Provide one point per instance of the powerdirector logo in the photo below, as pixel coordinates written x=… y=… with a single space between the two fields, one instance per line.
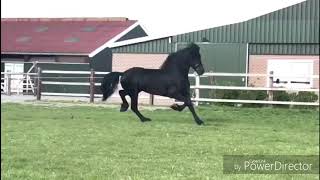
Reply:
x=270 y=164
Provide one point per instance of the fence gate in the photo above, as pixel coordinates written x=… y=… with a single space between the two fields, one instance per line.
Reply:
x=16 y=85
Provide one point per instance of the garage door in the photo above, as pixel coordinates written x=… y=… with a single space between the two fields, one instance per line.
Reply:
x=292 y=73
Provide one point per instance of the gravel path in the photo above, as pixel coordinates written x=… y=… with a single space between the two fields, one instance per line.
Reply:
x=59 y=101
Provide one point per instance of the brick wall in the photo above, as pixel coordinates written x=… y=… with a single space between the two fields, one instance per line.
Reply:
x=122 y=62
x=258 y=64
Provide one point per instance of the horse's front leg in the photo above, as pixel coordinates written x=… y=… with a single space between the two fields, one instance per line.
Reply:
x=187 y=102
x=195 y=116
x=134 y=107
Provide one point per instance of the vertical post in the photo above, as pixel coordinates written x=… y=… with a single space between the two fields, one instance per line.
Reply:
x=9 y=84
x=212 y=83
x=270 y=92
x=92 y=86
x=38 y=84
x=151 y=100
x=27 y=83
x=197 y=91
x=35 y=66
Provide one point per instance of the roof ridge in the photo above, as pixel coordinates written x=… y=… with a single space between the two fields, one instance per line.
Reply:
x=67 y=19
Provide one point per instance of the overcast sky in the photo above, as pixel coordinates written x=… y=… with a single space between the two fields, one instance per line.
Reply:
x=159 y=17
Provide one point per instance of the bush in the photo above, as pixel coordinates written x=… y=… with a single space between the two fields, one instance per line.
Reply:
x=305 y=97
x=294 y=97
x=236 y=94
x=282 y=96
x=253 y=95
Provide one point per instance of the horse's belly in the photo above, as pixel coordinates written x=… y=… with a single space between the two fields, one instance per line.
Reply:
x=156 y=90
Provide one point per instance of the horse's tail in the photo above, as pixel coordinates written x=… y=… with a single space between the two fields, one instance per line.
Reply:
x=109 y=84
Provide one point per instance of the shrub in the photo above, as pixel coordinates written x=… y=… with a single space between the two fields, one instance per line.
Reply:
x=253 y=95
x=305 y=97
x=281 y=96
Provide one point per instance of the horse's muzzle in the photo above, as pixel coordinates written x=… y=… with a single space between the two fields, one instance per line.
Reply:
x=199 y=70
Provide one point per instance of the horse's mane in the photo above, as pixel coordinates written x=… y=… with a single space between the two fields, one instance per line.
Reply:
x=179 y=56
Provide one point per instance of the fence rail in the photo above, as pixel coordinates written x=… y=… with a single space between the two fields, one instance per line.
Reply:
x=250 y=75
x=197 y=86
x=252 y=88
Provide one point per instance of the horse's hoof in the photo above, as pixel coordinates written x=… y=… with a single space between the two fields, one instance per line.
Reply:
x=145 y=119
x=174 y=107
x=124 y=108
x=199 y=122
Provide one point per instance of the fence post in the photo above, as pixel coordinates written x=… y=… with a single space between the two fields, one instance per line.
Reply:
x=38 y=84
x=9 y=84
x=92 y=86
x=197 y=91
x=212 y=83
x=270 y=92
x=151 y=100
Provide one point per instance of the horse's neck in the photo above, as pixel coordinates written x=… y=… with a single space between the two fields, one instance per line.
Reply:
x=175 y=69
x=173 y=66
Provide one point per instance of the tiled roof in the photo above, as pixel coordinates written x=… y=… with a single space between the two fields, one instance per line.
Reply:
x=64 y=35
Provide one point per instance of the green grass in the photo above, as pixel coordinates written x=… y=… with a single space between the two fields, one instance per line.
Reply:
x=86 y=142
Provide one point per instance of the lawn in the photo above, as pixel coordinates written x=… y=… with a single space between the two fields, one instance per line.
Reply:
x=93 y=142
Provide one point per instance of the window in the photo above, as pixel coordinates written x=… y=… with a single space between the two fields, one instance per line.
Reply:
x=23 y=39
x=72 y=40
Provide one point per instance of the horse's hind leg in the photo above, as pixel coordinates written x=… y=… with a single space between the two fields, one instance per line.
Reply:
x=124 y=105
x=134 y=107
x=178 y=107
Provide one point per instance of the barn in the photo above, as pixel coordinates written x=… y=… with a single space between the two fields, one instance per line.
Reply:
x=62 y=43
x=285 y=41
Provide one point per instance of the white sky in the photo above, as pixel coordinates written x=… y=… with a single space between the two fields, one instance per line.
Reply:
x=159 y=17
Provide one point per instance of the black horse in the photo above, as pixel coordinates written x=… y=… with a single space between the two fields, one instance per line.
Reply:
x=171 y=80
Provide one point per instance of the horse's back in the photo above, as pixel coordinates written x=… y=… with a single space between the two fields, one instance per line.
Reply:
x=132 y=76
x=148 y=80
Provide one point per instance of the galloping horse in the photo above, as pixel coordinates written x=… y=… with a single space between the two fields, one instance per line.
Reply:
x=171 y=80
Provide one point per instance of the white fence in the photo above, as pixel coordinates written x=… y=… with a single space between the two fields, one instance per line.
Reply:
x=197 y=86
x=270 y=89
x=17 y=83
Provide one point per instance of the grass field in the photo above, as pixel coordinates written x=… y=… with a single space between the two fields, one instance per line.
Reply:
x=86 y=142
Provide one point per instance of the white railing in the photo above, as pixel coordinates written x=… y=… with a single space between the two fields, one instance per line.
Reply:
x=17 y=83
x=270 y=76
x=197 y=86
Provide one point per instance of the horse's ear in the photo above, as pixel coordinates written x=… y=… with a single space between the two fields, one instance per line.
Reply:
x=194 y=47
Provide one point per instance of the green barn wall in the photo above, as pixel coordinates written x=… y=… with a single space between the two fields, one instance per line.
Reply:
x=158 y=46
x=134 y=33
x=102 y=61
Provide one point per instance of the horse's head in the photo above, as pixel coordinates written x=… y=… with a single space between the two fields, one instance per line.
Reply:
x=195 y=60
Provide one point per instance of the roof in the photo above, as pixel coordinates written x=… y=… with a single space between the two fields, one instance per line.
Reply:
x=294 y=24
x=291 y=30
x=61 y=35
